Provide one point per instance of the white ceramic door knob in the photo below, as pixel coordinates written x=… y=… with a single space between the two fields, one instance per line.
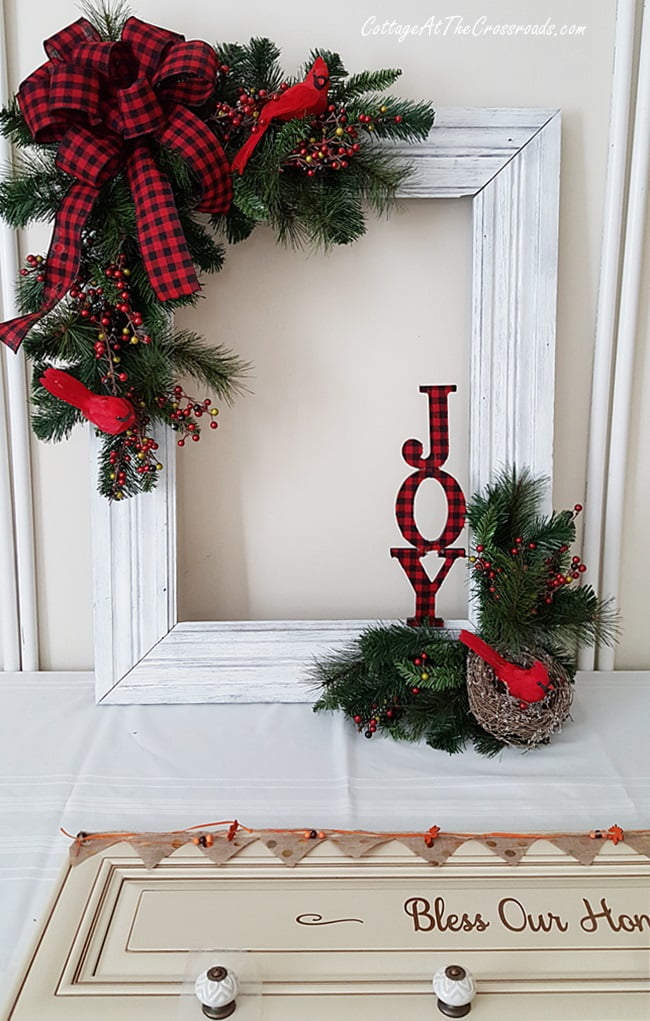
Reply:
x=216 y=990
x=455 y=989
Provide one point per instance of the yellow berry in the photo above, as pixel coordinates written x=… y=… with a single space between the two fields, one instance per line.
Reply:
x=307 y=159
x=112 y=476
x=214 y=411
x=424 y=676
x=134 y=340
x=383 y=109
x=339 y=132
x=312 y=139
x=117 y=359
x=159 y=467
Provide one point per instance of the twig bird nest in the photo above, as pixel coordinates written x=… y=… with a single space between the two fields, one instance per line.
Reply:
x=518 y=723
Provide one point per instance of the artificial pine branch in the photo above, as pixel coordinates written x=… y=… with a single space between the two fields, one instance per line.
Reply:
x=215 y=366
x=525 y=578
x=108 y=17
x=257 y=64
x=35 y=190
x=235 y=226
x=400 y=119
x=367 y=81
x=52 y=420
x=207 y=254
x=408 y=683
x=13 y=125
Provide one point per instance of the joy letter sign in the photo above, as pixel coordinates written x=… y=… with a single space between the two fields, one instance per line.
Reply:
x=429 y=467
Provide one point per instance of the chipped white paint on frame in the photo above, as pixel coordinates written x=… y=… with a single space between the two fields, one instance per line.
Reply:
x=508 y=162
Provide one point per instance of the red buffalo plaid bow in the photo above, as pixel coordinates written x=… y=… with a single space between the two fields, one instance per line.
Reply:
x=104 y=102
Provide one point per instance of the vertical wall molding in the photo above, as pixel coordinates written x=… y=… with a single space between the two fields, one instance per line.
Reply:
x=627 y=334
x=608 y=291
x=17 y=557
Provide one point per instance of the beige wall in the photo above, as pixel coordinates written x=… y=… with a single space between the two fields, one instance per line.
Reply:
x=342 y=339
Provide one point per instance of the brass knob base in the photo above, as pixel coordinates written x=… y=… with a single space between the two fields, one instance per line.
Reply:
x=219 y=1012
x=449 y=1011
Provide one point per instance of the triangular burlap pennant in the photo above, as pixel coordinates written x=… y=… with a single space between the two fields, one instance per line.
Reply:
x=441 y=849
x=355 y=845
x=81 y=850
x=584 y=849
x=290 y=847
x=152 y=847
x=639 y=842
x=511 y=849
x=223 y=849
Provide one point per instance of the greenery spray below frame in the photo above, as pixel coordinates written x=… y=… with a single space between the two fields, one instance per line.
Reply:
x=421 y=682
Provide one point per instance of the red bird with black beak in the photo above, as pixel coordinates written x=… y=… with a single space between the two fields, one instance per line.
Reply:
x=305 y=99
x=111 y=415
x=530 y=684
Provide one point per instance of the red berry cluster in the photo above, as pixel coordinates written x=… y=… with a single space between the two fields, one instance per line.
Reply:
x=421 y=663
x=483 y=565
x=118 y=323
x=378 y=716
x=133 y=445
x=184 y=419
x=333 y=141
x=34 y=266
x=245 y=113
x=558 y=575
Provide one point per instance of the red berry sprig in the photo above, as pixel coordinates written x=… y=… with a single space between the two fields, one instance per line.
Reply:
x=333 y=140
x=421 y=663
x=558 y=574
x=368 y=723
x=134 y=447
x=183 y=419
x=35 y=266
x=483 y=565
x=228 y=119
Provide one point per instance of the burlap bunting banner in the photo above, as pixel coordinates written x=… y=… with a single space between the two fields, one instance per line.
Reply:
x=291 y=846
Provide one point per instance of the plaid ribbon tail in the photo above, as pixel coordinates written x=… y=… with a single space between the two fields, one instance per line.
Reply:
x=162 y=242
x=63 y=260
x=187 y=135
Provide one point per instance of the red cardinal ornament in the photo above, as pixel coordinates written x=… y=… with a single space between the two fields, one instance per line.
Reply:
x=530 y=684
x=308 y=97
x=110 y=414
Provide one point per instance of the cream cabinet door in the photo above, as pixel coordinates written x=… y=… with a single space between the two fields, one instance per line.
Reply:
x=333 y=938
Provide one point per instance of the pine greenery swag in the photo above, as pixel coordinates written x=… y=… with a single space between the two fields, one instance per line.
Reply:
x=310 y=180
x=410 y=682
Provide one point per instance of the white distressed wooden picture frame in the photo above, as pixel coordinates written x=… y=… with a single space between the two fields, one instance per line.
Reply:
x=508 y=162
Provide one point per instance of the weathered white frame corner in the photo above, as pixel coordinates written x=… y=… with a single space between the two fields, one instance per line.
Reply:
x=508 y=162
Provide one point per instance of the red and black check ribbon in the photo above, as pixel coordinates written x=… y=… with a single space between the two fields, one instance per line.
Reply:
x=104 y=102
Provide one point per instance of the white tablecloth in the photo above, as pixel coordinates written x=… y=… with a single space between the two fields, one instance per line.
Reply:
x=65 y=762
